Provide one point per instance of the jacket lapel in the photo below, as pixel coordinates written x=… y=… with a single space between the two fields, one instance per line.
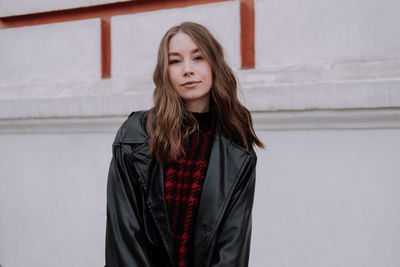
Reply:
x=223 y=172
x=151 y=176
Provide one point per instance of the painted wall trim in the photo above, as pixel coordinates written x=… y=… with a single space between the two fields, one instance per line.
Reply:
x=106 y=10
x=247 y=34
x=105 y=47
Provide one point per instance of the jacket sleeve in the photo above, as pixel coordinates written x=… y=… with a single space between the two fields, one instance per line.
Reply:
x=125 y=241
x=233 y=239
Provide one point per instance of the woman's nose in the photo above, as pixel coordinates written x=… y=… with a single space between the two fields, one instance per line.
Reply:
x=187 y=68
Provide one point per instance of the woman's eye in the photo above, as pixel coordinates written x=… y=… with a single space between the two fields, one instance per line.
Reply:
x=174 y=61
x=198 y=58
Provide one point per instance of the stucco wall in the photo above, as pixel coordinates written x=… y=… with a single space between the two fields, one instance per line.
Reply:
x=325 y=98
x=52 y=202
x=327 y=198
x=293 y=32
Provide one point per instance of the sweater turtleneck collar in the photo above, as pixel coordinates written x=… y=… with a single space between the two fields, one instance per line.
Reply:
x=204 y=119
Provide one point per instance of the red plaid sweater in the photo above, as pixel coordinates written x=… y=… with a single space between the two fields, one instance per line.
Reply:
x=183 y=184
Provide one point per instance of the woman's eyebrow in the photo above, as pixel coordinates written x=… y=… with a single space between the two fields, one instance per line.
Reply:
x=174 y=54
x=178 y=54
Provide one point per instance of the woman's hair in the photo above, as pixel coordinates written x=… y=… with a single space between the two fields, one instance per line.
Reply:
x=169 y=123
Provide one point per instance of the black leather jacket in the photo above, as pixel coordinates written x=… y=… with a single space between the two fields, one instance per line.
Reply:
x=138 y=231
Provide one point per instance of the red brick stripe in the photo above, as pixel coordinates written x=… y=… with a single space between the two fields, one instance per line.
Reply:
x=105 y=48
x=247 y=34
x=106 y=10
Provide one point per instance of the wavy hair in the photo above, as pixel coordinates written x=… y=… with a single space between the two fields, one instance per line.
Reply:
x=168 y=121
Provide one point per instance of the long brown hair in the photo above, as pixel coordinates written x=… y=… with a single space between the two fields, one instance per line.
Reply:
x=169 y=123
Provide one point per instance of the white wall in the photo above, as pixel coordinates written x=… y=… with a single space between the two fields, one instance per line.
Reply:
x=51 y=53
x=328 y=198
x=325 y=97
x=52 y=199
x=326 y=54
x=326 y=190
x=294 y=32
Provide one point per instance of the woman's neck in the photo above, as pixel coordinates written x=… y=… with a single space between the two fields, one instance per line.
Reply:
x=198 y=105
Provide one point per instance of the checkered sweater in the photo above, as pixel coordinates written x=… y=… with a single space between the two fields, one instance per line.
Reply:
x=183 y=184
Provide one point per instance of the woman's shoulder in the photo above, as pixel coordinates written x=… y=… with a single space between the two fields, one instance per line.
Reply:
x=132 y=130
x=234 y=141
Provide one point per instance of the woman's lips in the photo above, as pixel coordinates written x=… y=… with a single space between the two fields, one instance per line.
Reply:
x=190 y=84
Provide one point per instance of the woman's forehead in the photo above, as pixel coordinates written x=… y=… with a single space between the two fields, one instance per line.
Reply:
x=182 y=42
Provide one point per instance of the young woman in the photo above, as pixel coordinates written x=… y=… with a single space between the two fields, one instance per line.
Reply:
x=181 y=181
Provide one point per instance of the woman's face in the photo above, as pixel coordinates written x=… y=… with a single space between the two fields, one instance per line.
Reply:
x=189 y=73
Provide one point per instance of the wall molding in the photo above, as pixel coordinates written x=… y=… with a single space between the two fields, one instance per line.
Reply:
x=328 y=119
x=118 y=98
x=263 y=121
